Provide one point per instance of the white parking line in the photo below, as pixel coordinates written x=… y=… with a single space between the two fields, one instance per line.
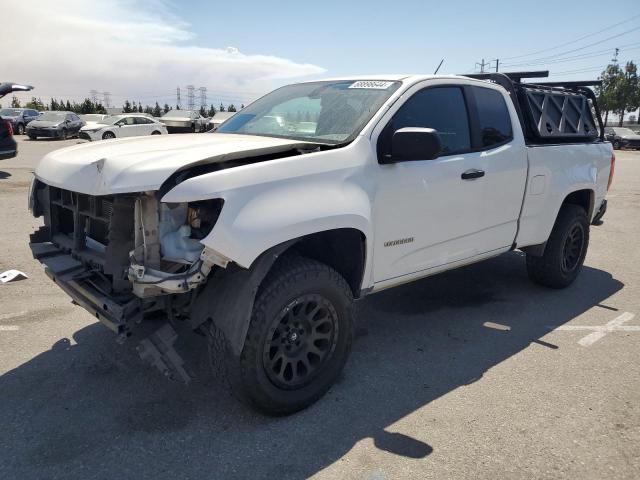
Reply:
x=7 y=316
x=599 y=332
x=9 y=328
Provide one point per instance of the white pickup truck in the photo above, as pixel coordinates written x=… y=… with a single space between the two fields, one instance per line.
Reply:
x=261 y=235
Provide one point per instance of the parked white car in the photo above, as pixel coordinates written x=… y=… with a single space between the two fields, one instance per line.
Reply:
x=120 y=126
x=259 y=236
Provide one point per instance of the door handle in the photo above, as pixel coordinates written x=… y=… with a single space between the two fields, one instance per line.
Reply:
x=472 y=174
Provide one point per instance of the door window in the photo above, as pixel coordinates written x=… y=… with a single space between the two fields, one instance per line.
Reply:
x=143 y=120
x=440 y=108
x=493 y=117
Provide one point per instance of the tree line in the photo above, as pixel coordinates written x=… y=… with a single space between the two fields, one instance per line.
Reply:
x=620 y=90
x=89 y=106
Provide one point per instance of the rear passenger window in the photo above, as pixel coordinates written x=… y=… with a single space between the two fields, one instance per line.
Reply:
x=493 y=117
x=440 y=108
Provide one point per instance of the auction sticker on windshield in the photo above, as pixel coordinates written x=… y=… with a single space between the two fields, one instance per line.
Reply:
x=376 y=85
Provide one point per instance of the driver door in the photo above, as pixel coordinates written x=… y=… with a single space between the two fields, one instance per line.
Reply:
x=426 y=211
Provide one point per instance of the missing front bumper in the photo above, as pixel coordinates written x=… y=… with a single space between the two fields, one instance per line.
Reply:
x=79 y=282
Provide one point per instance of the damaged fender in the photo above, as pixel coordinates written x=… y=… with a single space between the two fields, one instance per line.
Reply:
x=227 y=298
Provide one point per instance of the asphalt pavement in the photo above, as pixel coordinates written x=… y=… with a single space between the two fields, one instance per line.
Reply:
x=474 y=373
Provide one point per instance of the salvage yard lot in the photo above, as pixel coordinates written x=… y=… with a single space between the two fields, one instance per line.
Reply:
x=474 y=373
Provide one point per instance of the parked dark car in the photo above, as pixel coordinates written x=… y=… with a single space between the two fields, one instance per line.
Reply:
x=622 y=137
x=19 y=118
x=8 y=147
x=55 y=124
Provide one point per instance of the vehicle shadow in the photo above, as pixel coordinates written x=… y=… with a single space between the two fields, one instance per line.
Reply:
x=91 y=406
x=4 y=175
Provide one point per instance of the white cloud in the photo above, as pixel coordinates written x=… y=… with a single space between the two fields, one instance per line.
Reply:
x=138 y=51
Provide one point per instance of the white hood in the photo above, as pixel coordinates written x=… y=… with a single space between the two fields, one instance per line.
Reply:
x=144 y=163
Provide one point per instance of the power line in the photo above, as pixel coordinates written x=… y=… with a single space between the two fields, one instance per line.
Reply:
x=545 y=59
x=599 y=53
x=573 y=41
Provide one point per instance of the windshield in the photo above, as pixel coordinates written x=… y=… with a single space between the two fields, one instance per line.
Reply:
x=109 y=119
x=324 y=112
x=52 y=116
x=9 y=112
x=623 y=131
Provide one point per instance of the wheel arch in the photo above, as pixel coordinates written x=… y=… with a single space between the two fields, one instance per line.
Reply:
x=227 y=298
x=584 y=198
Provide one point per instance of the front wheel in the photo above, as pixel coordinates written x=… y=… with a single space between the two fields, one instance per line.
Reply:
x=63 y=134
x=31 y=137
x=298 y=341
x=108 y=135
x=565 y=251
x=616 y=145
x=20 y=129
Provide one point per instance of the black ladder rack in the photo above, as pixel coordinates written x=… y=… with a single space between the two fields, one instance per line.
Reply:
x=551 y=112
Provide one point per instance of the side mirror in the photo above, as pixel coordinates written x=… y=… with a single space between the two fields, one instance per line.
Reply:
x=414 y=143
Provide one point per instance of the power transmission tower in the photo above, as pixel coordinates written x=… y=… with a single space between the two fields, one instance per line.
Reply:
x=94 y=95
x=190 y=97
x=203 y=97
x=178 y=103
x=107 y=99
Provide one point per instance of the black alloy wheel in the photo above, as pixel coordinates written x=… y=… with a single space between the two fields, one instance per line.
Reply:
x=300 y=341
x=573 y=246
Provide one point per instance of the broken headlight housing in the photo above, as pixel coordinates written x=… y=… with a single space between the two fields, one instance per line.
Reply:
x=182 y=226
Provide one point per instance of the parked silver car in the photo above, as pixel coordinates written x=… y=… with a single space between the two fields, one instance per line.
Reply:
x=184 y=121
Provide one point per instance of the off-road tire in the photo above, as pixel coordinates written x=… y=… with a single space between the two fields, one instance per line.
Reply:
x=553 y=269
x=291 y=278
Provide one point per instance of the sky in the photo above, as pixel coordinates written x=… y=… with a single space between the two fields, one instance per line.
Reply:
x=143 y=50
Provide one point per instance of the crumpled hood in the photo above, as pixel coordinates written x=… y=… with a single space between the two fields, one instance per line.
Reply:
x=143 y=163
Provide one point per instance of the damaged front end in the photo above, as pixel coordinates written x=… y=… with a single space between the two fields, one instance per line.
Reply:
x=168 y=257
x=125 y=257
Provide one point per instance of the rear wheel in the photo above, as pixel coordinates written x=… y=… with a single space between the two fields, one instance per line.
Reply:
x=616 y=145
x=108 y=135
x=63 y=134
x=565 y=251
x=155 y=132
x=298 y=339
